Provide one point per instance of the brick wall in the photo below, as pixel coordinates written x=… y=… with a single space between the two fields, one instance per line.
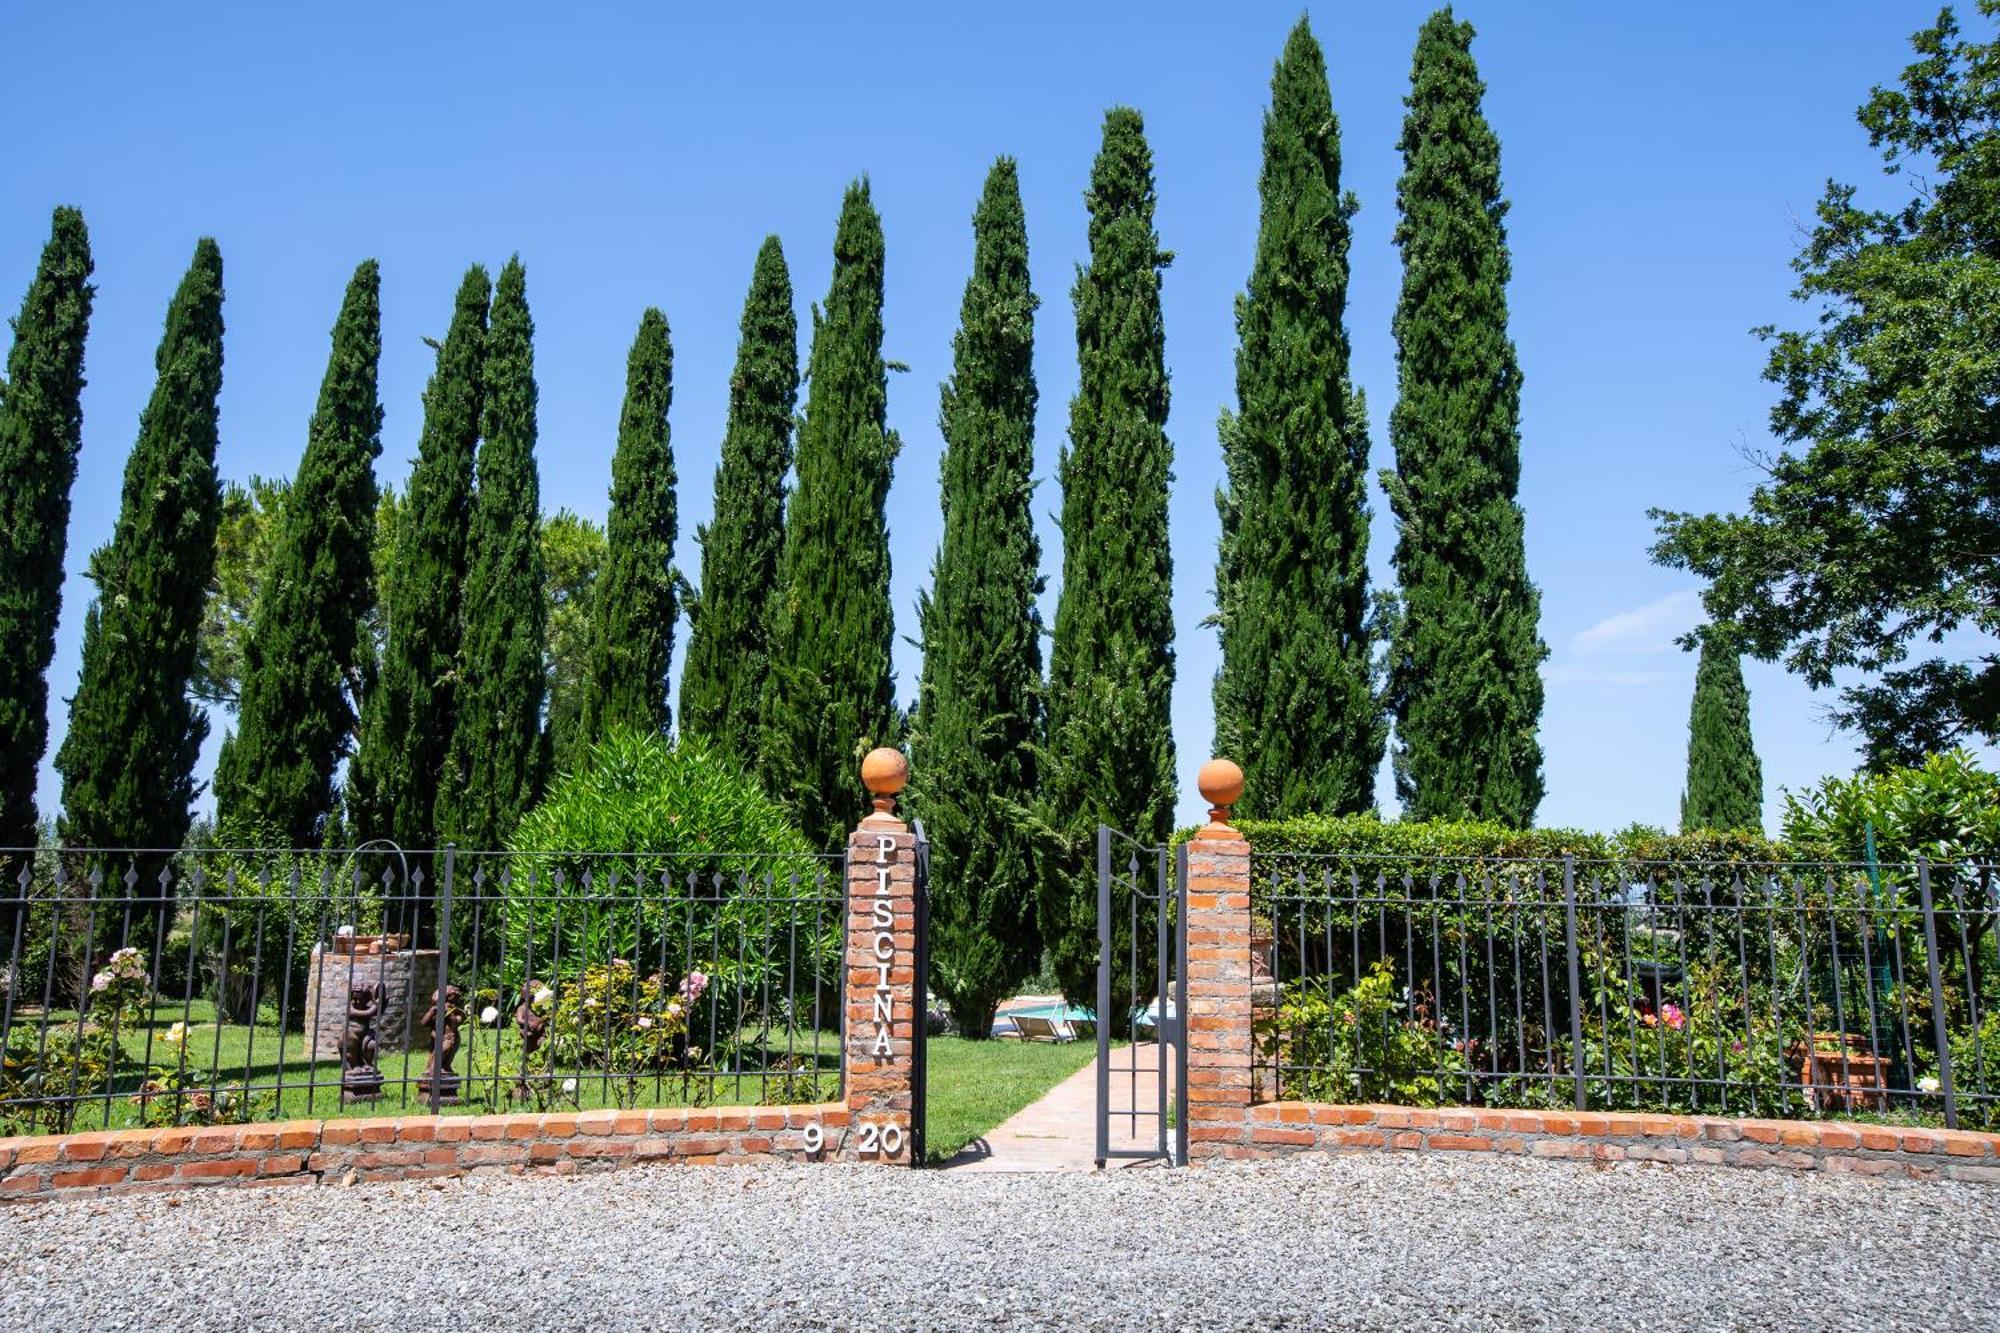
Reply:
x=1282 y=1128
x=309 y=1152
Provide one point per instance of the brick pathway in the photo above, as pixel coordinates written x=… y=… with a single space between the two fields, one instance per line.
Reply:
x=1058 y=1133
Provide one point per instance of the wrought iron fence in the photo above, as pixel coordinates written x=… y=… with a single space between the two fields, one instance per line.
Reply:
x=1801 y=990
x=222 y=986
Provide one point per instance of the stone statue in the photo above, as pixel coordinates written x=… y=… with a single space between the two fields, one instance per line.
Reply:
x=360 y=1080
x=533 y=1027
x=438 y=1069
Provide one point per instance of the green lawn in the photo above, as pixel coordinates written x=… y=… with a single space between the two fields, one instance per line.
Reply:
x=974 y=1085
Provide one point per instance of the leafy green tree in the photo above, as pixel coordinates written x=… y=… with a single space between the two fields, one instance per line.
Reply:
x=831 y=696
x=302 y=662
x=246 y=537
x=1111 y=669
x=128 y=759
x=1295 y=701
x=979 y=701
x=408 y=713
x=634 y=608
x=1877 y=526
x=574 y=555
x=729 y=633
x=41 y=429
x=1725 y=783
x=493 y=770
x=1465 y=658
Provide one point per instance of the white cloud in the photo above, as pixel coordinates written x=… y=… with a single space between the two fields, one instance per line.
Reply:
x=1651 y=628
x=1564 y=674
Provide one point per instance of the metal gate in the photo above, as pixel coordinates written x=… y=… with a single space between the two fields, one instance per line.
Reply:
x=1141 y=1000
x=920 y=1026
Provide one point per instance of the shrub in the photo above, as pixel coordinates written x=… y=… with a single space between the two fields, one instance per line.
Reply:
x=666 y=827
x=1367 y=1044
x=708 y=875
x=621 y=1026
x=1946 y=809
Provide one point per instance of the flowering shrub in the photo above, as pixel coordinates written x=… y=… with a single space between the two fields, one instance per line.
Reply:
x=183 y=1092
x=45 y=1074
x=612 y=1022
x=1367 y=1044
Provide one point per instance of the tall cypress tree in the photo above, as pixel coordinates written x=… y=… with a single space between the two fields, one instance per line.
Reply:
x=128 y=759
x=1464 y=672
x=831 y=697
x=407 y=717
x=1111 y=668
x=729 y=633
x=301 y=665
x=1725 y=783
x=41 y=430
x=979 y=701
x=494 y=769
x=634 y=607
x=1295 y=700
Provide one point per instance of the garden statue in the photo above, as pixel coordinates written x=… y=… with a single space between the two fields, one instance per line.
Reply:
x=444 y=1048
x=360 y=1080
x=532 y=1026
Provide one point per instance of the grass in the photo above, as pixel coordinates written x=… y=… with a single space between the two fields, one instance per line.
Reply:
x=974 y=1085
x=287 y=1083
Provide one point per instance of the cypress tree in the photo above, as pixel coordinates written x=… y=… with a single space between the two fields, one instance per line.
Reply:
x=1295 y=700
x=494 y=769
x=128 y=759
x=41 y=430
x=1464 y=672
x=979 y=700
x=831 y=697
x=633 y=606
x=1111 y=668
x=729 y=633
x=1725 y=783
x=407 y=717
x=301 y=665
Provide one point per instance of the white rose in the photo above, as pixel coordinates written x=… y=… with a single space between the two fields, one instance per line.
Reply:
x=544 y=995
x=569 y=1087
x=1928 y=1083
x=489 y=1015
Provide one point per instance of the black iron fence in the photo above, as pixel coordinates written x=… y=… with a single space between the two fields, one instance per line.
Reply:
x=223 y=986
x=1786 y=991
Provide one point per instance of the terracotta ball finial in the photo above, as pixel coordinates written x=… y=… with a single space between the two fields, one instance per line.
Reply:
x=1221 y=784
x=885 y=772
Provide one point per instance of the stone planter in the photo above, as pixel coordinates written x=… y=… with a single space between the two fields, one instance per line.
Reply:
x=407 y=978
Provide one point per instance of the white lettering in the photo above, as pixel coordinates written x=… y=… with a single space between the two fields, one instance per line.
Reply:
x=882 y=880
x=882 y=1007
x=882 y=980
x=885 y=846
x=885 y=946
x=881 y=1042
x=885 y=915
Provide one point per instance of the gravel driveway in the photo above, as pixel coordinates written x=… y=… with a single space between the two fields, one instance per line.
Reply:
x=1363 y=1242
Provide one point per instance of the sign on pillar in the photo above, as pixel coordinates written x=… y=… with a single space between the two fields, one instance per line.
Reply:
x=882 y=996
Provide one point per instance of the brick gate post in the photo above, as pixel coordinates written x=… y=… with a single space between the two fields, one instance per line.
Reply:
x=1218 y=972
x=884 y=1002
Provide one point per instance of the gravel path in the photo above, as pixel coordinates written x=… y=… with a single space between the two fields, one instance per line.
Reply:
x=1363 y=1242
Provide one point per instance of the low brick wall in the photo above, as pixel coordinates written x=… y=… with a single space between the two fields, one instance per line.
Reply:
x=307 y=1152
x=1280 y=1128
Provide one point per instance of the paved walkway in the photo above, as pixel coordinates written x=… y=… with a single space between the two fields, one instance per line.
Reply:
x=1059 y=1133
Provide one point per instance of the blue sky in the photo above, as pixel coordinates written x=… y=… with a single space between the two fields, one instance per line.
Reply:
x=1661 y=162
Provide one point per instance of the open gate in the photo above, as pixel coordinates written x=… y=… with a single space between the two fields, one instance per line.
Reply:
x=1141 y=1000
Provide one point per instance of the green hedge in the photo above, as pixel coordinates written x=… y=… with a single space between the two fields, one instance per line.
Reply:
x=1448 y=841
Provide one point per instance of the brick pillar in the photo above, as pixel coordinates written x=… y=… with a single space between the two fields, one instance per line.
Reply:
x=884 y=1003
x=1218 y=979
